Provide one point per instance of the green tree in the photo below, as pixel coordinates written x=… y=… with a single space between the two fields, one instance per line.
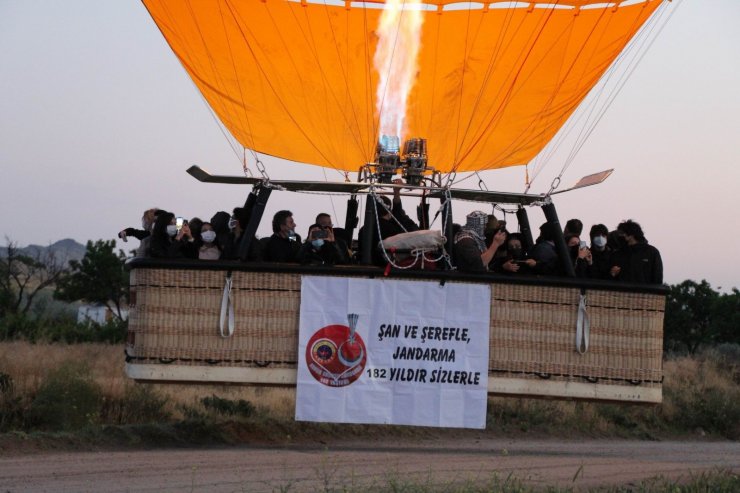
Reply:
x=689 y=316
x=98 y=278
x=726 y=317
x=23 y=276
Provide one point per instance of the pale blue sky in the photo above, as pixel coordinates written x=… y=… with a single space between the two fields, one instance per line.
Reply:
x=98 y=121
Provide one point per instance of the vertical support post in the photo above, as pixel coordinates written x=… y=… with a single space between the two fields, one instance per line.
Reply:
x=557 y=235
x=524 y=228
x=447 y=224
x=369 y=225
x=256 y=206
x=422 y=213
x=351 y=219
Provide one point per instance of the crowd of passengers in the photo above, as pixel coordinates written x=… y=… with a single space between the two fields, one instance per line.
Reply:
x=483 y=244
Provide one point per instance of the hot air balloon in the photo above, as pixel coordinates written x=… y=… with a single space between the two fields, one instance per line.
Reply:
x=428 y=91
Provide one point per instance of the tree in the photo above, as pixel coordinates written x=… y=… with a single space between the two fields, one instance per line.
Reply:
x=726 y=317
x=689 y=315
x=98 y=278
x=23 y=276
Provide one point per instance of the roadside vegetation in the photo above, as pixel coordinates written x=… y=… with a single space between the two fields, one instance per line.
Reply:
x=81 y=389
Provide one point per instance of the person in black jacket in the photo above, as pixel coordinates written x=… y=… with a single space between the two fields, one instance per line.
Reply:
x=143 y=235
x=322 y=248
x=470 y=253
x=392 y=220
x=601 y=253
x=636 y=261
x=284 y=244
x=167 y=241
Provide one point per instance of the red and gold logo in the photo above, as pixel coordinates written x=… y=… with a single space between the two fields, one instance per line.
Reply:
x=336 y=354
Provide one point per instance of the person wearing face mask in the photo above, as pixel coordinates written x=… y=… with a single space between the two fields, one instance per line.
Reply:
x=321 y=248
x=167 y=241
x=209 y=249
x=516 y=260
x=285 y=243
x=636 y=261
x=601 y=253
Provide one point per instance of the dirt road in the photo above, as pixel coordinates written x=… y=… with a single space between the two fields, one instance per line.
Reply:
x=353 y=466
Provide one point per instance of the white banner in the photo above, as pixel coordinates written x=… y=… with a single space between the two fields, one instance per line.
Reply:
x=393 y=352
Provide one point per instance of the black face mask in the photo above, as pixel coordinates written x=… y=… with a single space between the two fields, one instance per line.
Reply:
x=573 y=251
x=622 y=242
x=516 y=253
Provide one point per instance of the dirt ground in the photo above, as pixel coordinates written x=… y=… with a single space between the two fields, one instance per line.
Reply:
x=352 y=466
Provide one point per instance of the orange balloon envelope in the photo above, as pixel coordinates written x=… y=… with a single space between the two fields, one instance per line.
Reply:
x=495 y=82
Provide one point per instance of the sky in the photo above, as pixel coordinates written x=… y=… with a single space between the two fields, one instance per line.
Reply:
x=98 y=121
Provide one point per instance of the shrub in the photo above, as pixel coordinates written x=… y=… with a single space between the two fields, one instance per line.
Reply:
x=228 y=407
x=68 y=399
x=139 y=404
x=701 y=394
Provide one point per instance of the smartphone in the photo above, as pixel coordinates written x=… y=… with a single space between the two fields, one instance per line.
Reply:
x=179 y=222
x=582 y=245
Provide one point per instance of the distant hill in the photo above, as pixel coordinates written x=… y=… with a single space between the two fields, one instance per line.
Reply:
x=65 y=250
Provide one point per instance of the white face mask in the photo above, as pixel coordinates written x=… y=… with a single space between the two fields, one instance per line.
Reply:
x=171 y=229
x=599 y=241
x=317 y=244
x=208 y=236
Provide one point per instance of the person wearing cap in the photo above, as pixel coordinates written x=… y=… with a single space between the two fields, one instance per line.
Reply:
x=470 y=252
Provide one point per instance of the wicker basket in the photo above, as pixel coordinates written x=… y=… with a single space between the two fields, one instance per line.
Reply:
x=173 y=326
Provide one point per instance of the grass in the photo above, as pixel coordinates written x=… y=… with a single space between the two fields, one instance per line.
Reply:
x=83 y=386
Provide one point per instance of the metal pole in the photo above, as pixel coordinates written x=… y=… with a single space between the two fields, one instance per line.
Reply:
x=557 y=235
x=369 y=225
x=351 y=219
x=257 y=208
x=448 y=226
x=524 y=228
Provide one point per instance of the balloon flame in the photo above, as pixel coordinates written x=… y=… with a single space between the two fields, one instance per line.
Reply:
x=396 y=60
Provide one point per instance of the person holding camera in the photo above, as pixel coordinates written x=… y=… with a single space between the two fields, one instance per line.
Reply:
x=516 y=260
x=321 y=247
x=171 y=238
x=471 y=253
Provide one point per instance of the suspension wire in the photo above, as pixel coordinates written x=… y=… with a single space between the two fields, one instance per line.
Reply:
x=643 y=36
x=494 y=118
x=462 y=90
x=564 y=72
x=267 y=80
x=492 y=64
x=637 y=50
x=634 y=63
x=357 y=136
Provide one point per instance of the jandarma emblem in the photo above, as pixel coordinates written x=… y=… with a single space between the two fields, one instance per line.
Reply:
x=336 y=355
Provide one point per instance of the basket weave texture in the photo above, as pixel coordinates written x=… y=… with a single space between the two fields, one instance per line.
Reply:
x=175 y=315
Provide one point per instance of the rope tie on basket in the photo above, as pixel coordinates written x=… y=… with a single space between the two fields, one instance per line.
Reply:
x=227 y=309
x=583 y=325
